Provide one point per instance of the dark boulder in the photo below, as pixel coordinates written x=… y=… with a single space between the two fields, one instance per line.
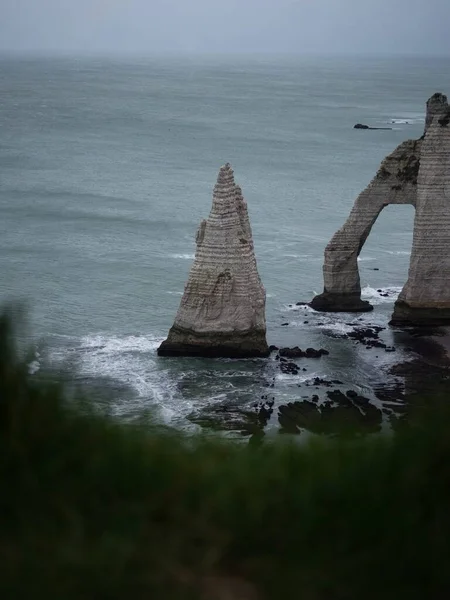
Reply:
x=290 y=368
x=312 y=353
x=361 y=126
x=297 y=352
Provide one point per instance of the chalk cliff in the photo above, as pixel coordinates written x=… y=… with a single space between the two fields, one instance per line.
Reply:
x=425 y=299
x=222 y=311
x=417 y=173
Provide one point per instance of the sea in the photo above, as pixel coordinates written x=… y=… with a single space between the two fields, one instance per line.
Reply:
x=107 y=167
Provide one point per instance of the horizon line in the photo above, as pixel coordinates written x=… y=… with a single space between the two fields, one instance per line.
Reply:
x=149 y=55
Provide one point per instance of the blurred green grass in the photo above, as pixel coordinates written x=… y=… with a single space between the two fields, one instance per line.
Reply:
x=92 y=508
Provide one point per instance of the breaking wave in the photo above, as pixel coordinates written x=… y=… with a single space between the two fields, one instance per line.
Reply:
x=365 y=258
x=380 y=295
x=294 y=378
x=129 y=362
x=35 y=364
x=183 y=256
x=410 y=121
x=337 y=327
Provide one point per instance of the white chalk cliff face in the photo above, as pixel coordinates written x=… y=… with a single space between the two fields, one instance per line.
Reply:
x=425 y=299
x=417 y=173
x=222 y=311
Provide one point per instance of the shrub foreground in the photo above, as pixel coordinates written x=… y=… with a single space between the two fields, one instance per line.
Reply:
x=91 y=508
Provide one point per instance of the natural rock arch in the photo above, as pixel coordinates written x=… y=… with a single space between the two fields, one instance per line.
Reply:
x=394 y=183
x=417 y=173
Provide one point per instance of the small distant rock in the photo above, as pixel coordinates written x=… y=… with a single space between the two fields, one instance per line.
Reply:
x=312 y=353
x=318 y=381
x=367 y=336
x=361 y=126
x=297 y=352
x=292 y=352
x=289 y=368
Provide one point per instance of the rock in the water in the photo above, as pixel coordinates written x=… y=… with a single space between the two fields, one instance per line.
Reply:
x=361 y=126
x=222 y=311
x=289 y=368
x=340 y=414
x=297 y=352
x=367 y=336
x=417 y=173
x=292 y=352
x=313 y=353
x=340 y=302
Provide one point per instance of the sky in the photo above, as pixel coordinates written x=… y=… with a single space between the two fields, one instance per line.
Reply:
x=149 y=27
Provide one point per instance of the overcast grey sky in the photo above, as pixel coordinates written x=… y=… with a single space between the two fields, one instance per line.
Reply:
x=226 y=26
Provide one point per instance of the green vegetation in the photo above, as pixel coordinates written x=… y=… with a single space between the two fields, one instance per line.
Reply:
x=90 y=508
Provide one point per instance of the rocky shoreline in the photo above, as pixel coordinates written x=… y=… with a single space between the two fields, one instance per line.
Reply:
x=327 y=405
x=222 y=310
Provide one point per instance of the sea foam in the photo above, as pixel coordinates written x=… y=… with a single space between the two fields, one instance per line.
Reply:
x=375 y=296
x=183 y=256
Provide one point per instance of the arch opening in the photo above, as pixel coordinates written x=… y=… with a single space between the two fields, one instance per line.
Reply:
x=394 y=183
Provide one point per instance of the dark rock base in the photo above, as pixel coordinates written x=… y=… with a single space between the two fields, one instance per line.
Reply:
x=328 y=302
x=408 y=316
x=361 y=126
x=299 y=353
x=181 y=342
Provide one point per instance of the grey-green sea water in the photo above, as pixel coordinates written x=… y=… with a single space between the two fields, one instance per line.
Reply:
x=107 y=167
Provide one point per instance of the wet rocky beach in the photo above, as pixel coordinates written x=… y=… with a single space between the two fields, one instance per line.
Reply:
x=325 y=405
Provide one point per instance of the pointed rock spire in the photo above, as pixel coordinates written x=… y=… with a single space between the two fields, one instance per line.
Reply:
x=222 y=311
